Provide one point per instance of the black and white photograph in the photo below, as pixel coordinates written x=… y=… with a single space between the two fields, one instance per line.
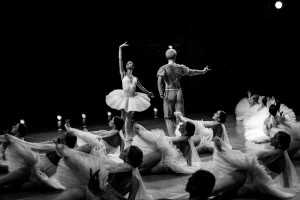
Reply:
x=150 y=100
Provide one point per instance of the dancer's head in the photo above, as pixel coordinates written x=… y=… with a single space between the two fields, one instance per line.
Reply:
x=273 y=109
x=200 y=184
x=281 y=140
x=69 y=139
x=132 y=155
x=117 y=122
x=171 y=54
x=187 y=128
x=220 y=116
x=129 y=65
x=19 y=130
x=264 y=101
x=254 y=99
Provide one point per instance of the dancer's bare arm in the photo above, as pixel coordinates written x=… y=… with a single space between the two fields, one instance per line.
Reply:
x=193 y=72
x=121 y=69
x=110 y=133
x=150 y=94
x=181 y=118
x=160 y=86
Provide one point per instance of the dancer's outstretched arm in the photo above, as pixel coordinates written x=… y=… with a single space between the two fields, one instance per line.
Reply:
x=150 y=94
x=193 y=72
x=122 y=72
x=110 y=133
x=181 y=118
x=178 y=139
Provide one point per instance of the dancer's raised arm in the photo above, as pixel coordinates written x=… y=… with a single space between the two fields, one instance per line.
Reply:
x=121 y=69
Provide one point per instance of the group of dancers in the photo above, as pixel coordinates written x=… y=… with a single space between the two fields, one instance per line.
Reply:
x=109 y=164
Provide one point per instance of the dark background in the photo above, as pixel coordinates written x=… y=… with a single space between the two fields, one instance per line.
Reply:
x=63 y=58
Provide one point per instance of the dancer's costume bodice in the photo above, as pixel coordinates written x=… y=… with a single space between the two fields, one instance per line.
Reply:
x=129 y=85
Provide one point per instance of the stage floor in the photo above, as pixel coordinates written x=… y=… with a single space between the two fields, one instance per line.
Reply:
x=160 y=186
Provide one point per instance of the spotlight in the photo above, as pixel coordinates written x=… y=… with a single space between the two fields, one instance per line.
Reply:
x=22 y=121
x=59 y=124
x=58 y=117
x=278 y=4
x=83 y=120
x=109 y=115
x=155 y=112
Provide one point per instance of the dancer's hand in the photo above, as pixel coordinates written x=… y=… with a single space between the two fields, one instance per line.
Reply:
x=124 y=45
x=150 y=94
x=178 y=113
x=136 y=128
x=163 y=97
x=206 y=69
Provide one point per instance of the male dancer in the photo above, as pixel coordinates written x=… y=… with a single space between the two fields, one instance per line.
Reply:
x=171 y=91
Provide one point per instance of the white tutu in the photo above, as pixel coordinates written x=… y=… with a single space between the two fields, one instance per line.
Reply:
x=205 y=135
x=74 y=168
x=3 y=163
x=19 y=155
x=254 y=126
x=288 y=113
x=156 y=139
x=118 y=99
x=243 y=110
x=231 y=160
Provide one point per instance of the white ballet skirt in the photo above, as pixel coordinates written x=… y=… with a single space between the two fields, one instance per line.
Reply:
x=127 y=99
x=205 y=134
x=156 y=139
x=255 y=127
x=243 y=110
x=74 y=167
x=258 y=179
x=23 y=154
x=3 y=163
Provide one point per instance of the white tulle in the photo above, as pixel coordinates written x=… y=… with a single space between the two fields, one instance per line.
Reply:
x=3 y=163
x=127 y=99
x=228 y=160
x=19 y=154
x=254 y=126
x=74 y=168
x=97 y=160
x=156 y=139
x=205 y=135
x=243 y=110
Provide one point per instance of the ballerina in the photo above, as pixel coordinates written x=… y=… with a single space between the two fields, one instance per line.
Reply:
x=268 y=172
x=118 y=177
x=128 y=100
x=257 y=127
x=19 y=130
x=164 y=154
x=113 y=139
x=206 y=131
x=31 y=165
x=247 y=106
